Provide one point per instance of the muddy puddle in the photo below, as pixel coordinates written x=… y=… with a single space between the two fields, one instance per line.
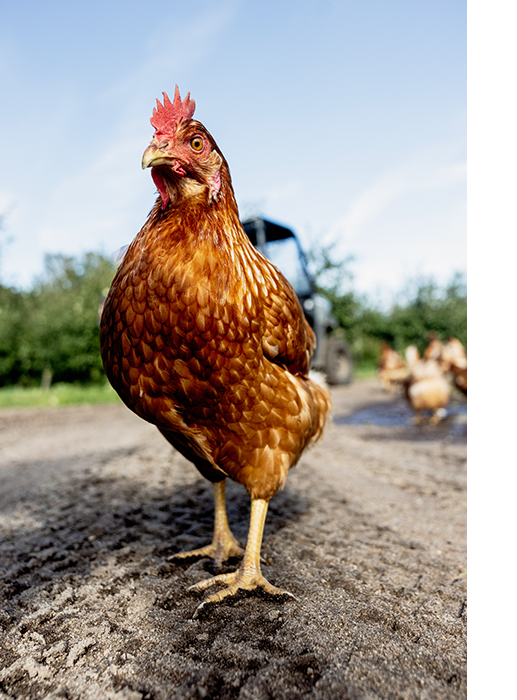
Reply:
x=397 y=414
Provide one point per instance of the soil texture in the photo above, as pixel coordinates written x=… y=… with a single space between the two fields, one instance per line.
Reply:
x=369 y=534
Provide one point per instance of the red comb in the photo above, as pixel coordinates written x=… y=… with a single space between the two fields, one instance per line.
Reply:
x=165 y=116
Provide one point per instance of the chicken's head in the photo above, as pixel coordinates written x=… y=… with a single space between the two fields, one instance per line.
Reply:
x=183 y=155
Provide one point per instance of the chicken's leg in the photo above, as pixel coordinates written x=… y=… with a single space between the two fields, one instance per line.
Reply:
x=248 y=576
x=224 y=545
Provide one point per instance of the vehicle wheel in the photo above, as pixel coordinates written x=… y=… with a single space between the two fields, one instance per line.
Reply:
x=340 y=367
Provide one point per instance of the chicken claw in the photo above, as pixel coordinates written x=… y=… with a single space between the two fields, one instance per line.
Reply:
x=217 y=551
x=224 y=545
x=248 y=576
x=235 y=581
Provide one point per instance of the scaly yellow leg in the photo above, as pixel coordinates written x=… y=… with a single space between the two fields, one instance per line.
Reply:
x=248 y=576
x=224 y=545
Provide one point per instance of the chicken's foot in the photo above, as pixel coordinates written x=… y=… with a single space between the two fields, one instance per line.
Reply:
x=438 y=415
x=224 y=545
x=248 y=576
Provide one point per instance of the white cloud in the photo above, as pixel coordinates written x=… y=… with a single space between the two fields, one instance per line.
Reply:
x=419 y=174
x=95 y=206
x=7 y=202
x=401 y=247
x=169 y=55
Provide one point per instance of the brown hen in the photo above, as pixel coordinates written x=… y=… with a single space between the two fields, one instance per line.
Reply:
x=391 y=368
x=455 y=359
x=203 y=337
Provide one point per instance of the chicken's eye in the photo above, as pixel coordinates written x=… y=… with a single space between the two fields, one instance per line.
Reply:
x=197 y=144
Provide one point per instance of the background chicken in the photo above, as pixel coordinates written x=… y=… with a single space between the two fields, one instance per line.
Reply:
x=391 y=368
x=454 y=357
x=434 y=349
x=426 y=389
x=451 y=357
x=202 y=336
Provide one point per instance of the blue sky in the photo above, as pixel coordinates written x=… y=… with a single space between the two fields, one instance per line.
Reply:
x=343 y=120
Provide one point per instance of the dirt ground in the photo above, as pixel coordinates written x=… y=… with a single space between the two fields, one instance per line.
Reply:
x=369 y=534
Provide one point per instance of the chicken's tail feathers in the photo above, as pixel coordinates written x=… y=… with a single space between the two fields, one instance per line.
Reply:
x=319 y=378
x=322 y=399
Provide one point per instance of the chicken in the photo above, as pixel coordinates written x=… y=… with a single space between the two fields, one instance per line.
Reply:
x=391 y=368
x=203 y=337
x=426 y=389
x=454 y=358
x=434 y=349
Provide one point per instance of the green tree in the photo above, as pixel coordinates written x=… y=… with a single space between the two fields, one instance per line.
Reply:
x=64 y=329
x=12 y=319
x=422 y=307
x=54 y=328
x=426 y=307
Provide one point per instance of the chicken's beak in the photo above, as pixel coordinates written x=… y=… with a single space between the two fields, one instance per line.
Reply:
x=152 y=155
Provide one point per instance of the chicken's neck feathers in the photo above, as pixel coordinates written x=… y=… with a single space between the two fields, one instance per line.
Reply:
x=189 y=232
